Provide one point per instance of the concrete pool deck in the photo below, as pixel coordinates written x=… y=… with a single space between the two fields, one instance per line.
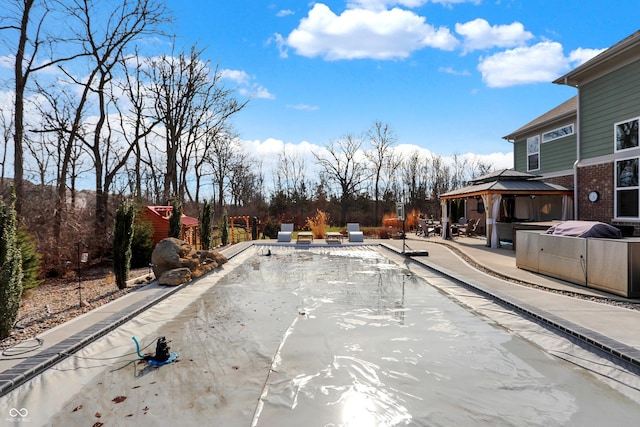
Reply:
x=605 y=326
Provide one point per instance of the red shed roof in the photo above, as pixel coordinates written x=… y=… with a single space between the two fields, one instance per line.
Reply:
x=164 y=213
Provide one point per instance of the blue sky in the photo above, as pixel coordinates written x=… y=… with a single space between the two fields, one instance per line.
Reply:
x=449 y=76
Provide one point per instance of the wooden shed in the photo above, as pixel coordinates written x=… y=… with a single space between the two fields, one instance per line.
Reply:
x=159 y=216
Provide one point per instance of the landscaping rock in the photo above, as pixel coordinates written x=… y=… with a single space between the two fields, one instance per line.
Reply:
x=170 y=254
x=175 y=277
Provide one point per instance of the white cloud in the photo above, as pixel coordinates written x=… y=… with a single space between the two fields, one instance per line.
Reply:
x=363 y=33
x=542 y=62
x=303 y=107
x=478 y=34
x=238 y=76
x=384 y=4
x=246 y=85
x=284 y=12
x=450 y=70
x=259 y=91
x=581 y=55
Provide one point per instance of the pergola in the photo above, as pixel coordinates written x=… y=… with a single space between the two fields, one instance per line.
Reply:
x=508 y=184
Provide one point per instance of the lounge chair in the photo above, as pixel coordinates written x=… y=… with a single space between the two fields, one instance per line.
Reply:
x=354 y=233
x=334 y=237
x=285 y=233
x=304 y=237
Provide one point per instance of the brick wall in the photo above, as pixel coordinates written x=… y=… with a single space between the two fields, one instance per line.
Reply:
x=596 y=178
x=600 y=178
x=565 y=181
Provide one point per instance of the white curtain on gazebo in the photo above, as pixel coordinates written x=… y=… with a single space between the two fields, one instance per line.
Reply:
x=492 y=202
x=495 y=212
x=567 y=208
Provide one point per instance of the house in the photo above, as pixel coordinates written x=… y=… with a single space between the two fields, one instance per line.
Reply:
x=591 y=142
x=159 y=216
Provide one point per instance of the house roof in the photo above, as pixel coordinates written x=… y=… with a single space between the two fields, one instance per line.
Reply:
x=617 y=55
x=563 y=111
x=507 y=181
x=164 y=212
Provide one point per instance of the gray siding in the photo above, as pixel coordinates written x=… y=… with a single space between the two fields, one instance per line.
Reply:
x=520 y=155
x=610 y=99
x=556 y=155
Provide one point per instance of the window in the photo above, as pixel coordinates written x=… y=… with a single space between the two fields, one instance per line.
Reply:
x=557 y=133
x=626 y=134
x=627 y=200
x=533 y=153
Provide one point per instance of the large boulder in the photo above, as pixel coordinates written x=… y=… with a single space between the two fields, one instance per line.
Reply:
x=171 y=254
x=175 y=277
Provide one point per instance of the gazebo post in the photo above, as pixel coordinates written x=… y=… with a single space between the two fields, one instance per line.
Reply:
x=444 y=204
x=486 y=199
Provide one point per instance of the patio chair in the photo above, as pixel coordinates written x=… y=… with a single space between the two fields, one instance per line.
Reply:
x=469 y=228
x=285 y=233
x=354 y=233
x=473 y=229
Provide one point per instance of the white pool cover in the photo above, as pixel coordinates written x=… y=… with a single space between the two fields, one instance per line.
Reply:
x=328 y=337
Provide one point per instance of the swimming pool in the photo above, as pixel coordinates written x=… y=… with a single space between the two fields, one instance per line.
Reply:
x=325 y=336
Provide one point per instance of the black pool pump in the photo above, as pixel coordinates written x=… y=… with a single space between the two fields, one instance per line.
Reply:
x=162 y=356
x=162 y=351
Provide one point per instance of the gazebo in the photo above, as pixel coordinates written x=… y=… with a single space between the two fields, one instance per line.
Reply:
x=510 y=197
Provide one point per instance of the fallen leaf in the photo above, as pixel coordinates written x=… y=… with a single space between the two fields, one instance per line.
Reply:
x=118 y=399
x=98 y=415
x=77 y=408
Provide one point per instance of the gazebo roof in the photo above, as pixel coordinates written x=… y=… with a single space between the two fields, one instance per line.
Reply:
x=503 y=175
x=507 y=181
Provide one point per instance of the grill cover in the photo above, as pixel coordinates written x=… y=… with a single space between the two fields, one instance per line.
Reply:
x=585 y=229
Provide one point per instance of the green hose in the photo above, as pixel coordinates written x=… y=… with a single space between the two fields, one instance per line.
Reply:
x=137 y=347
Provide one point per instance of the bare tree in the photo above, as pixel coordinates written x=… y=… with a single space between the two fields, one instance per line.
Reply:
x=382 y=138
x=479 y=167
x=104 y=40
x=27 y=18
x=188 y=95
x=290 y=174
x=224 y=155
x=343 y=168
x=136 y=123
x=440 y=176
x=411 y=170
x=459 y=170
